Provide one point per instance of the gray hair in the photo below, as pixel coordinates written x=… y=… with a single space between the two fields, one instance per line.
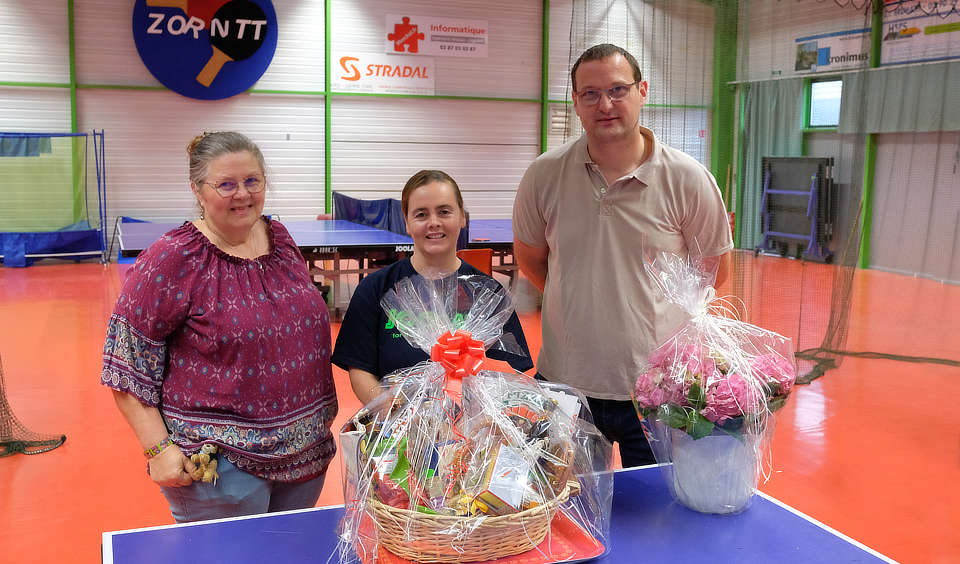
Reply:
x=206 y=147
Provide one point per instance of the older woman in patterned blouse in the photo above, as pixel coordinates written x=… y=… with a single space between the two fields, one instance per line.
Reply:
x=219 y=338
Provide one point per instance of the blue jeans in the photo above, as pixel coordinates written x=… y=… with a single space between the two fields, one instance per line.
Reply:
x=619 y=423
x=239 y=493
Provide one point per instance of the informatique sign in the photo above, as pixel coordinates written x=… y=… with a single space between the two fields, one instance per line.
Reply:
x=205 y=49
x=433 y=36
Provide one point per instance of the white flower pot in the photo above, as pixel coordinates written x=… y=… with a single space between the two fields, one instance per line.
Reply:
x=714 y=474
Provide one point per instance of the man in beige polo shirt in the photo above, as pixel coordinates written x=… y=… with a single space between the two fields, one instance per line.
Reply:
x=585 y=215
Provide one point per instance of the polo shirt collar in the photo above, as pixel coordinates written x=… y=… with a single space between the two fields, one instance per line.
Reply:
x=644 y=173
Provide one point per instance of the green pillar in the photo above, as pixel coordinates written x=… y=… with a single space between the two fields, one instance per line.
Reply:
x=724 y=95
x=870 y=151
x=78 y=151
x=544 y=74
x=327 y=114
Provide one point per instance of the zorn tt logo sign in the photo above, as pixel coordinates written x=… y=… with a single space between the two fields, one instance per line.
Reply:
x=206 y=49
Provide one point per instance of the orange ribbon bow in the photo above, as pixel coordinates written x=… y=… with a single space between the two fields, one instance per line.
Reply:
x=460 y=354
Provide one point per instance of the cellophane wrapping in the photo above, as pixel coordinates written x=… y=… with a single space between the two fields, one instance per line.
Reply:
x=707 y=395
x=446 y=454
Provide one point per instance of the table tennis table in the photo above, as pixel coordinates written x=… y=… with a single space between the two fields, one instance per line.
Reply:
x=330 y=236
x=325 y=244
x=646 y=525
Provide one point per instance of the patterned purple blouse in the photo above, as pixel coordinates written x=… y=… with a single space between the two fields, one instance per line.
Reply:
x=233 y=351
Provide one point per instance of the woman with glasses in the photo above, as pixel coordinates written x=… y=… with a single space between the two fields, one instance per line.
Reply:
x=368 y=345
x=218 y=351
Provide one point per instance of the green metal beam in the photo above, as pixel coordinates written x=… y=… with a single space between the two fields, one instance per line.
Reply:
x=73 y=67
x=118 y=87
x=741 y=159
x=674 y=106
x=433 y=97
x=724 y=99
x=35 y=84
x=78 y=160
x=544 y=74
x=807 y=85
x=327 y=113
x=870 y=151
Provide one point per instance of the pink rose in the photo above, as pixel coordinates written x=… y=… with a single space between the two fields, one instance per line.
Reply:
x=664 y=354
x=647 y=391
x=730 y=397
x=777 y=372
x=656 y=387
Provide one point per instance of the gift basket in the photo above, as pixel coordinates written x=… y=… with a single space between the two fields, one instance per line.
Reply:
x=451 y=463
x=707 y=395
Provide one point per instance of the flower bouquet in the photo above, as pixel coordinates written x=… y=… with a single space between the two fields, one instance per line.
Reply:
x=451 y=463
x=707 y=395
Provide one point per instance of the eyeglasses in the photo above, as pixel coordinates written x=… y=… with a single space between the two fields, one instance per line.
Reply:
x=228 y=188
x=592 y=97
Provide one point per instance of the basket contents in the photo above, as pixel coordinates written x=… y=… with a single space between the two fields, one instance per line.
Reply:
x=451 y=463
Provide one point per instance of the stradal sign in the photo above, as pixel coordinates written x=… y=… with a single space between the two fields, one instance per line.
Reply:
x=382 y=74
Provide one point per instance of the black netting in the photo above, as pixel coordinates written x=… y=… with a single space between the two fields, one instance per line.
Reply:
x=15 y=437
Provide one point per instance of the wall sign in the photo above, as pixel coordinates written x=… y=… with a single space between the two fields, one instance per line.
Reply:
x=443 y=37
x=383 y=74
x=847 y=49
x=206 y=49
x=913 y=33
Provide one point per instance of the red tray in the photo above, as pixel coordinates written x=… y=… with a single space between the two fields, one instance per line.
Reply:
x=567 y=542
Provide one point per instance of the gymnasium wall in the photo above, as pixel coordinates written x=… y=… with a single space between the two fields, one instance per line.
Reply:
x=485 y=142
x=915 y=203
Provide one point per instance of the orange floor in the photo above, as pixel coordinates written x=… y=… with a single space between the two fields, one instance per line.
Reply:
x=872 y=449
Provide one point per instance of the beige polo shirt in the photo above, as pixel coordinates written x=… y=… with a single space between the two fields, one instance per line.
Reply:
x=601 y=317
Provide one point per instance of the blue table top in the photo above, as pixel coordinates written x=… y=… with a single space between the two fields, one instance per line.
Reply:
x=646 y=525
x=135 y=237
x=491 y=231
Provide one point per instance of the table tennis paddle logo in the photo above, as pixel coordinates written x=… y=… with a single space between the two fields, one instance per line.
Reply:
x=206 y=49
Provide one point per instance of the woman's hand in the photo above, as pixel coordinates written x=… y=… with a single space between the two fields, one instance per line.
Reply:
x=171 y=468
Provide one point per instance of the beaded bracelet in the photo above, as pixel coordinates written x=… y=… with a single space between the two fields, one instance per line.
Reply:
x=158 y=448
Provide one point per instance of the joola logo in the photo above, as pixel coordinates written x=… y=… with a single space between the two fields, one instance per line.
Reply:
x=207 y=49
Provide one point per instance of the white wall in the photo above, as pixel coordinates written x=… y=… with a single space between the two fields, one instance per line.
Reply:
x=377 y=143
x=484 y=145
x=916 y=205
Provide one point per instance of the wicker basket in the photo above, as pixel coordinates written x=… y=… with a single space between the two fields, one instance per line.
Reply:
x=444 y=538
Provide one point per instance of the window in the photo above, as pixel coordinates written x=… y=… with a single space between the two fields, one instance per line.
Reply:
x=825 y=103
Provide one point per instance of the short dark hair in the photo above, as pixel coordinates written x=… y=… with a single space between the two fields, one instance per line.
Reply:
x=600 y=52
x=426 y=177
